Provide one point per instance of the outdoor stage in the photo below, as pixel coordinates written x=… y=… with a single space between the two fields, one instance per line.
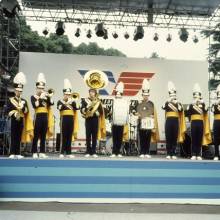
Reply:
x=105 y=180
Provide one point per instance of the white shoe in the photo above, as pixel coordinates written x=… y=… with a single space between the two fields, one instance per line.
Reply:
x=43 y=155
x=113 y=155
x=95 y=155
x=35 y=156
x=12 y=156
x=141 y=156
x=70 y=156
x=61 y=156
x=215 y=158
x=19 y=156
x=174 y=157
x=147 y=156
x=168 y=157
x=199 y=158
x=193 y=158
x=119 y=155
x=87 y=155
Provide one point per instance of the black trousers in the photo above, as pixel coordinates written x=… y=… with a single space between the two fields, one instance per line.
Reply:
x=196 y=135
x=117 y=137
x=91 y=125
x=67 y=123
x=40 y=131
x=171 y=133
x=145 y=138
x=16 y=132
x=216 y=130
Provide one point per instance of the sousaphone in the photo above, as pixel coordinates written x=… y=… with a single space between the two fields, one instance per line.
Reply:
x=94 y=79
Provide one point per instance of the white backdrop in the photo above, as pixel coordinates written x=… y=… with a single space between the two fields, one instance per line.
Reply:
x=56 y=67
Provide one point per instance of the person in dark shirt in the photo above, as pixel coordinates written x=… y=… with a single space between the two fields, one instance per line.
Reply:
x=41 y=102
x=17 y=111
x=175 y=122
x=68 y=118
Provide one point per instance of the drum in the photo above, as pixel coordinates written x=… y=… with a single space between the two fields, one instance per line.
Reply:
x=120 y=112
x=147 y=123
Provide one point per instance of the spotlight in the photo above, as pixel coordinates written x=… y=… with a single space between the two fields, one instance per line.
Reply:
x=126 y=35
x=10 y=7
x=45 y=31
x=99 y=30
x=169 y=37
x=115 y=35
x=60 y=28
x=77 y=34
x=183 y=34
x=195 y=39
x=156 y=37
x=89 y=34
x=138 y=33
x=105 y=34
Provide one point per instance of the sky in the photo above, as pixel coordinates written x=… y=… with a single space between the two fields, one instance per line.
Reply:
x=176 y=49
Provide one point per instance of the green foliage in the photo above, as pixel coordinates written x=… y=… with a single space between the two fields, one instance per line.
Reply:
x=32 y=42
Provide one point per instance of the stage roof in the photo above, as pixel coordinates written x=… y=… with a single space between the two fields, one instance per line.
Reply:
x=194 y=14
x=194 y=7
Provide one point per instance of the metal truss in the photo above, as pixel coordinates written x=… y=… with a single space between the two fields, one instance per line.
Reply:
x=158 y=18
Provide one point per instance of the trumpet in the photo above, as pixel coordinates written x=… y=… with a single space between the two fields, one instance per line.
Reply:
x=75 y=95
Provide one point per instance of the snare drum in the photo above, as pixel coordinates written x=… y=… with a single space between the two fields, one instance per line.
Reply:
x=147 y=123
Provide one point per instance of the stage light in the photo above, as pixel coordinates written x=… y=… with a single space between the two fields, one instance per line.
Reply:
x=10 y=7
x=195 y=39
x=100 y=30
x=183 y=34
x=105 y=34
x=60 y=28
x=138 y=33
x=156 y=37
x=89 y=34
x=126 y=35
x=169 y=37
x=115 y=35
x=77 y=34
x=45 y=31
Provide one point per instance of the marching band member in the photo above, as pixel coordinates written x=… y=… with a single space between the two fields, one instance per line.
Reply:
x=44 y=122
x=175 y=126
x=120 y=119
x=216 y=124
x=18 y=112
x=200 y=129
x=68 y=119
x=93 y=112
x=148 y=125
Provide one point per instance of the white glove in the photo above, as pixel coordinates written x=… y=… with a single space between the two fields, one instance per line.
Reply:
x=43 y=95
x=69 y=101
x=97 y=113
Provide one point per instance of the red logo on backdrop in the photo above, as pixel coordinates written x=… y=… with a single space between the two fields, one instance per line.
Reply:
x=132 y=82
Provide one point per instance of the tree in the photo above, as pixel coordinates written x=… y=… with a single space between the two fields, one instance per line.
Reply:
x=214 y=55
x=31 y=41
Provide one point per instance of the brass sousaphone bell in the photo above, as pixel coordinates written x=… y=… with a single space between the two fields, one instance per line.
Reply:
x=94 y=79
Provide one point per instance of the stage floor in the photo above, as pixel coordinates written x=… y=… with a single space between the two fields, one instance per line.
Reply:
x=110 y=180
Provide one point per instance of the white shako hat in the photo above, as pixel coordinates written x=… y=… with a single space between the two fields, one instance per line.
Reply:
x=218 y=91
x=145 y=87
x=119 y=89
x=197 y=91
x=171 y=89
x=67 y=87
x=41 y=81
x=19 y=81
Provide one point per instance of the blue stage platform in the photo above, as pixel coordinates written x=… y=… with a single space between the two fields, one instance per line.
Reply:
x=105 y=180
